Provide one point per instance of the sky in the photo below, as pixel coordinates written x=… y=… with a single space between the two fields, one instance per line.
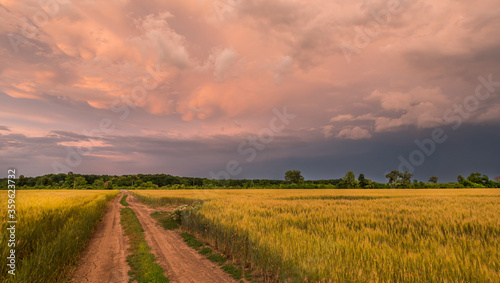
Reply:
x=250 y=89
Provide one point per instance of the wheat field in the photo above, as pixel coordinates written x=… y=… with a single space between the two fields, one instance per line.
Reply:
x=349 y=235
x=51 y=230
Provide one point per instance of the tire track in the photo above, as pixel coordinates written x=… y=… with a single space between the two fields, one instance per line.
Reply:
x=182 y=263
x=105 y=257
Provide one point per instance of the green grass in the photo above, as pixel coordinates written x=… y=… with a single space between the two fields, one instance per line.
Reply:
x=123 y=201
x=144 y=268
x=220 y=259
x=248 y=276
x=208 y=252
x=233 y=270
x=165 y=219
x=156 y=202
x=191 y=241
x=205 y=251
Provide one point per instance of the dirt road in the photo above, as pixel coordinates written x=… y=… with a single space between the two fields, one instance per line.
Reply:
x=105 y=258
x=182 y=263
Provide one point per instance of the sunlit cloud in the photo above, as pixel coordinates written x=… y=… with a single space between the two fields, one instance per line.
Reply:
x=194 y=70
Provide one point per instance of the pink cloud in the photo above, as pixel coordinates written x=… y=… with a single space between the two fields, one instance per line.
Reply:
x=259 y=55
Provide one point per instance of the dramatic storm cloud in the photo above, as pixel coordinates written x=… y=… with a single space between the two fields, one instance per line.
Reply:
x=194 y=87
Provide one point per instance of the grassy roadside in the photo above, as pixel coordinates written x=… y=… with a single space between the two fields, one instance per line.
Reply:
x=237 y=272
x=168 y=222
x=144 y=268
x=165 y=219
x=123 y=201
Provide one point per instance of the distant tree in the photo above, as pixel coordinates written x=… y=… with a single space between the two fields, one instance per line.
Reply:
x=70 y=180
x=134 y=180
x=405 y=178
x=80 y=181
x=416 y=184
x=433 y=179
x=364 y=183
x=126 y=180
x=58 y=179
x=460 y=178
x=496 y=178
x=21 y=181
x=43 y=181
x=361 y=178
x=478 y=178
x=248 y=184
x=475 y=177
x=349 y=181
x=98 y=184
x=108 y=185
x=149 y=184
x=396 y=177
x=294 y=177
x=392 y=177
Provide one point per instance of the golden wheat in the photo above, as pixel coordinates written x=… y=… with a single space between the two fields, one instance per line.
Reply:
x=52 y=228
x=351 y=235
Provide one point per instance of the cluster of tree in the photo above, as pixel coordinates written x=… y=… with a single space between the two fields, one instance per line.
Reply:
x=475 y=180
x=293 y=179
x=348 y=181
x=396 y=179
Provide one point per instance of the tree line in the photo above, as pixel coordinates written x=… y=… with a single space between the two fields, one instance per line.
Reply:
x=292 y=179
x=396 y=179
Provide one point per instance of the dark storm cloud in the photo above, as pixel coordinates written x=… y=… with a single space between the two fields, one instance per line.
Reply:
x=466 y=150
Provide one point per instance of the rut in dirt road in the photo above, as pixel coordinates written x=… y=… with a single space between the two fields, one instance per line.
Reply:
x=105 y=258
x=182 y=263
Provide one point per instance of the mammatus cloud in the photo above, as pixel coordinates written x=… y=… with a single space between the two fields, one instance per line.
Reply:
x=158 y=42
x=282 y=68
x=225 y=64
x=355 y=133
